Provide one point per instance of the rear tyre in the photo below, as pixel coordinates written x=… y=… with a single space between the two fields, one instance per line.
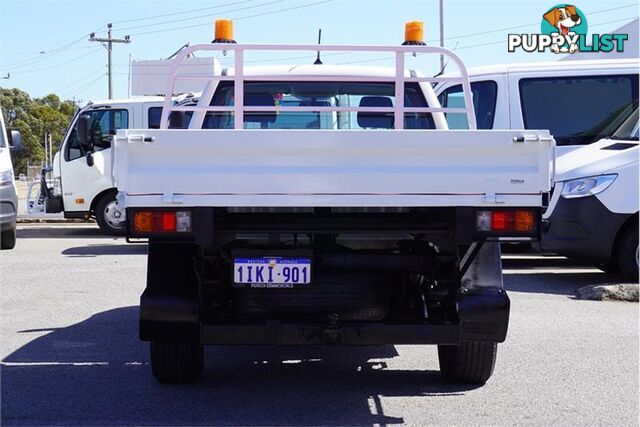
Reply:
x=176 y=362
x=8 y=239
x=627 y=253
x=469 y=363
x=109 y=216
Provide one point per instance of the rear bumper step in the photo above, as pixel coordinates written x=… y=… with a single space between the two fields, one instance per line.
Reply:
x=360 y=334
x=483 y=317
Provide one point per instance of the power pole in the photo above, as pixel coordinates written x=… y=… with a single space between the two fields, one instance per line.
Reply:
x=129 y=79
x=50 y=149
x=108 y=44
x=46 y=148
x=441 y=32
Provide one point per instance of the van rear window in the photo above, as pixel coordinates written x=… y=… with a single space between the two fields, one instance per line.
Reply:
x=578 y=110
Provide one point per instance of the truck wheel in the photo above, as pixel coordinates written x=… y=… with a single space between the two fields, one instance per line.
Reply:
x=627 y=253
x=110 y=217
x=176 y=362
x=8 y=239
x=470 y=362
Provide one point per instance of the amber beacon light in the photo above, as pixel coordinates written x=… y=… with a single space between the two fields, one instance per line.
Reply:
x=414 y=33
x=223 y=31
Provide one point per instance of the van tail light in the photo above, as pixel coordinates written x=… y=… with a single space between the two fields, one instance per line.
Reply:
x=508 y=222
x=147 y=222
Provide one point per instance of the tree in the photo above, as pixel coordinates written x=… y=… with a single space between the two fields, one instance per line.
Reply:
x=33 y=118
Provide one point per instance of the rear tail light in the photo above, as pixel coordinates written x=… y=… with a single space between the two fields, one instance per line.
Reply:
x=161 y=222
x=508 y=221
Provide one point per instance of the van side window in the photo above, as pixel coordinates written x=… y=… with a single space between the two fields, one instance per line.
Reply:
x=578 y=110
x=484 y=93
x=103 y=125
x=155 y=114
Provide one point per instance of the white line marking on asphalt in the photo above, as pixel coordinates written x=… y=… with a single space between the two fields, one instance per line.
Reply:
x=551 y=270
x=54 y=363
x=373 y=409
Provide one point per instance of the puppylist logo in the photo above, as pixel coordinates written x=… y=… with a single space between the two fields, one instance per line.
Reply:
x=564 y=30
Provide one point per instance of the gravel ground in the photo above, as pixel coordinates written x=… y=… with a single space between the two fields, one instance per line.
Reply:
x=70 y=354
x=610 y=292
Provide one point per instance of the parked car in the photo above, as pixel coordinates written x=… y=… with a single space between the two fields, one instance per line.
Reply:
x=593 y=213
x=580 y=102
x=8 y=194
x=307 y=204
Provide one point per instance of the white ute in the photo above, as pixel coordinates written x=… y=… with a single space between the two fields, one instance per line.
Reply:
x=307 y=205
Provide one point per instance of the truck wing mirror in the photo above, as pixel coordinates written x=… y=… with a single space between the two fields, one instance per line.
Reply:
x=82 y=131
x=16 y=142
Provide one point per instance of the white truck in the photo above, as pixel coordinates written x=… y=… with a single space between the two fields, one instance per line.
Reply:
x=321 y=204
x=80 y=182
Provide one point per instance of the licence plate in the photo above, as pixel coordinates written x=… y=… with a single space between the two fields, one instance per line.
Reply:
x=272 y=272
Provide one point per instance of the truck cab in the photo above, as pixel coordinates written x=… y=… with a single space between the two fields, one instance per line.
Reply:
x=82 y=182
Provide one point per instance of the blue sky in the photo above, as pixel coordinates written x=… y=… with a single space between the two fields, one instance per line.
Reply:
x=71 y=66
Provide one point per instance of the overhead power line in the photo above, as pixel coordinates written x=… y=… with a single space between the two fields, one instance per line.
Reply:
x=48 y=54
x=503 y=41
x=60 y=64
x=184 y=12
x=81 y=89
x=303 y=6
x=29 y=61
x=271 y=12
x=171 y=21
x=518 y=27
x=42 y=52
x=83 y=79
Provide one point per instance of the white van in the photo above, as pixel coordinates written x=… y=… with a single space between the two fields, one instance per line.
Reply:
x=8 y=193
x=580 y=102
x=82 y=182
x=593 y=213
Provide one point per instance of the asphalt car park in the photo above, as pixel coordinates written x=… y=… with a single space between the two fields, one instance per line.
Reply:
x=71 y=355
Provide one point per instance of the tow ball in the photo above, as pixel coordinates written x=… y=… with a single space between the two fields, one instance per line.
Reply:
x=333 y=333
